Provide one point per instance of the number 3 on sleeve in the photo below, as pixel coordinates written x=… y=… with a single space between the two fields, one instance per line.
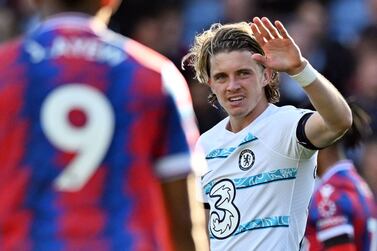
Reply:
x=90 y=140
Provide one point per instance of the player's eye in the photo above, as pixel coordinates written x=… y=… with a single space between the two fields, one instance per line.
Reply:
x=220 y=78
x=244 y=73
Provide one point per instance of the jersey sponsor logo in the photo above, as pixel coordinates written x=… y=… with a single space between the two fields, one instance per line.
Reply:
x=246 y=159
x=225 y=216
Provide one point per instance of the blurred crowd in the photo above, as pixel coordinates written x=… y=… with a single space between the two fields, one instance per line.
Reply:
x=339 y=37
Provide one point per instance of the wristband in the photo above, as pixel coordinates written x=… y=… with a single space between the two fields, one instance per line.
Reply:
x=306 y=76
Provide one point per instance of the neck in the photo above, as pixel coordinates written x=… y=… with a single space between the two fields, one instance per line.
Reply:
x=328 y=157
x=50 y=8
x=104 y=14
x=236 y=124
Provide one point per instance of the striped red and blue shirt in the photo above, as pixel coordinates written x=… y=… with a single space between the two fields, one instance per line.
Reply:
x=90 y=122
x=342 y=205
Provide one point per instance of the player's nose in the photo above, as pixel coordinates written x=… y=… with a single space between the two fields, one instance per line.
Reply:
x=233 y=84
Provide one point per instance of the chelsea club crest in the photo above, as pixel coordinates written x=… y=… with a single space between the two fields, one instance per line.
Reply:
x=246 y=159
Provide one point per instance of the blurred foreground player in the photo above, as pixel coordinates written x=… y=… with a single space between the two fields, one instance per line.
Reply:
x=90 y=124
x=343 y=212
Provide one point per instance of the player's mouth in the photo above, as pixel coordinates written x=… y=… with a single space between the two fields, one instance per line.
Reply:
x=236 y=99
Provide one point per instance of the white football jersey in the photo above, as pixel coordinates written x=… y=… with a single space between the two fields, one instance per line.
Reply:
x=259 y=183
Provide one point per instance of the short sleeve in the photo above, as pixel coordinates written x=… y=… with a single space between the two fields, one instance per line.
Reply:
x=284 y=133
x=176 y=158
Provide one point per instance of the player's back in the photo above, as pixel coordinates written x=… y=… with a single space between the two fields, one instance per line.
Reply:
x=83 y=121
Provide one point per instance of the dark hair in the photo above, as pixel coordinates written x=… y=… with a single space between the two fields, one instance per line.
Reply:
x=71 y=3
x=360 y=130
x=85 y=6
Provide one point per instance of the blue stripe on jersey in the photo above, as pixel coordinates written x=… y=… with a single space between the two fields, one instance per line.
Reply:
x=220 y=153
x=260 y=179
x=224 y=153
x=268 y=222
x=40 y=154
x=249 y=138
x=117 y=159
x=38 y=157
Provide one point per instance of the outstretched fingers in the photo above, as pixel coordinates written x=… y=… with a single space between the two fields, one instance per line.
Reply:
x=264 y=31
x=280 y=27
x=257 y=34
x=270 y=27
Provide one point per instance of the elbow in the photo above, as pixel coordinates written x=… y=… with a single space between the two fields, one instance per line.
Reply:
x=345 y=123
x=348 y=120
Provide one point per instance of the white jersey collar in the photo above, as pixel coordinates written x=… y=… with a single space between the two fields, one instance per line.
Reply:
x=267 y=112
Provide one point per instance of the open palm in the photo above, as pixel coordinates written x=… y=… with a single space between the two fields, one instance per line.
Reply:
x=281 y=52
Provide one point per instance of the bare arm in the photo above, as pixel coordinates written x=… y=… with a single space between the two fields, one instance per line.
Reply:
x=333 y=116
x=186 y=215
x=198 y=217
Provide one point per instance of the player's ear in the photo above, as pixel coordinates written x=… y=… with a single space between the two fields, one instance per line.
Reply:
x=267 y=76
